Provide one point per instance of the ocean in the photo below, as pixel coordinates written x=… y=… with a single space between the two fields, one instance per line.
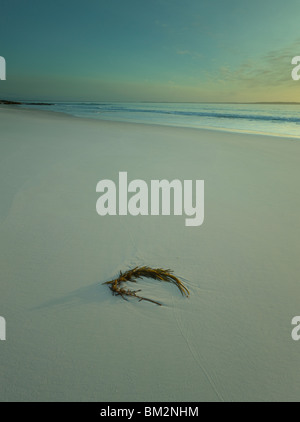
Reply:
x=272 y=119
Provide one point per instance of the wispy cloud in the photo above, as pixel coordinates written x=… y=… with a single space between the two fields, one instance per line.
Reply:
x=190 y=53
x=161 y=24
x=273 y=69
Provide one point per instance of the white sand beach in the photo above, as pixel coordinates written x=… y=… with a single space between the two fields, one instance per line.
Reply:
x=69 y=339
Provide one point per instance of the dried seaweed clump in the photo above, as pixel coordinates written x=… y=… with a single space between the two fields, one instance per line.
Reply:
x=139 y=272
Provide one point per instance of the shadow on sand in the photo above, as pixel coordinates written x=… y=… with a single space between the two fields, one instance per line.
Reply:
x=94 y=293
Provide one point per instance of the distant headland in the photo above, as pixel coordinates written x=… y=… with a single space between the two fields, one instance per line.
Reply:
x=9 y=102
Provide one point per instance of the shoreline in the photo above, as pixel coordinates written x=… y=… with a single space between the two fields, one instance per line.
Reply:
x=204 y=128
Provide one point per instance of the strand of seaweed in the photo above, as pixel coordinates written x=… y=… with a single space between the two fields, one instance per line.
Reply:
x=116 y=285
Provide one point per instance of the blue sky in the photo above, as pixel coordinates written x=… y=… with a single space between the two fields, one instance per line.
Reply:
x=158 y=50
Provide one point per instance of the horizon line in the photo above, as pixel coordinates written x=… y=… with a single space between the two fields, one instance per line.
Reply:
x=151 y=102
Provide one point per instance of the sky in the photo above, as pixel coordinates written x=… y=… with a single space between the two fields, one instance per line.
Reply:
x=154 y=50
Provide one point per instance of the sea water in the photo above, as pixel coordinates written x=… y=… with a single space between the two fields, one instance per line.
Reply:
x=273 y=119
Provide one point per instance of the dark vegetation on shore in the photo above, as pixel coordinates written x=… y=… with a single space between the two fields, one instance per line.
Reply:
x=9 y=102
